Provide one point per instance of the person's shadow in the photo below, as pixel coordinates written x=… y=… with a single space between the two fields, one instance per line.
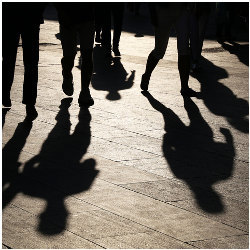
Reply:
x=57 y=171
x=241 y=51
x=219 y=99
x=110 y=78
x=10 y=161
x=194 y=156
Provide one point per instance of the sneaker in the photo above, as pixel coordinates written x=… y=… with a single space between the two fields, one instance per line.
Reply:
x=188 y=93
x=31 y=112
x=116 y=51
x=144 y=82
x=68 y=86
x=85 y=99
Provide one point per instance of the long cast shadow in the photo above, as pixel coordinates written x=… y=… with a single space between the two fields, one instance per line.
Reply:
x=241 y=51
x=111 y=78
x=10 y=163
x=57 y=172
x=219 y=99
x=194 y=156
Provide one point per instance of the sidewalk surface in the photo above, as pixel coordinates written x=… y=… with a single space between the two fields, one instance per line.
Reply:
x=133 y=171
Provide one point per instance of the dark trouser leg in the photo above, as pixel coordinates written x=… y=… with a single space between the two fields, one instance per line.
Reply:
x=69 y=46
x=86 y=33
x=183 y=67
x=183 y=31
x=117 y=11
x=10 y=44
x=98 y=21
x=194 y=37
x=86 y=67
x=30 y=43
x=161 y=43
x=106 y=29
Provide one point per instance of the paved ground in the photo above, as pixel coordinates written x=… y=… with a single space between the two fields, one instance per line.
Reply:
x=133 y=171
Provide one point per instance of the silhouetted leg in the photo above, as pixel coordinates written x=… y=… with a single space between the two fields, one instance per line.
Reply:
x=161 y=43
x=98 y=22
x=202 y=21
x=30 y=44
x=117 y=10
x=86 y=33
x=183 y=67
x=106 y=30
x=183 y=31
x=69 y=46
x=10 y=44
x=151 y=64
x=194 y=40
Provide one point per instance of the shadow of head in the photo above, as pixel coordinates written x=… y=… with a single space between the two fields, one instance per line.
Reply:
x=79 y=179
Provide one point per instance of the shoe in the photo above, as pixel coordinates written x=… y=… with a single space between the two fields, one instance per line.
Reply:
x=31 y=112
x=116 y=51
x=6 y=102
x=68 y=86
x=85 y=99
x=188 y=93
x=144 y=82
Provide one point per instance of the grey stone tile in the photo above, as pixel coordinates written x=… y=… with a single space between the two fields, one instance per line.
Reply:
x=119 y=152
x=20 y=230
x=163 y=190
x=154 y=214
x=118 y=173
x=144 y=143
x=234 y=213
x=233 y=242
x=100 y=223
x=147 y=240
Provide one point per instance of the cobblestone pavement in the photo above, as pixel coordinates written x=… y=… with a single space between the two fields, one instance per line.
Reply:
x=135 y=170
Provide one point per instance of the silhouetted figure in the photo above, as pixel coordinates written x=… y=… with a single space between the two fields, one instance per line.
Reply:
x=77 y=19
x=115 y=11
x=224 y=20
x=240 y=50
x=164 y=16
x=198 y=22
x=98 y=22
x=57 y=171
x=21 y=20
x=193 y=155
x=111 y=79
x=220 y=99
x=10 y=163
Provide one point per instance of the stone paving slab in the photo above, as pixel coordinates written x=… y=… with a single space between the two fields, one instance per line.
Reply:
x=134 y=171
x=235 y=242
x=22 y=235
